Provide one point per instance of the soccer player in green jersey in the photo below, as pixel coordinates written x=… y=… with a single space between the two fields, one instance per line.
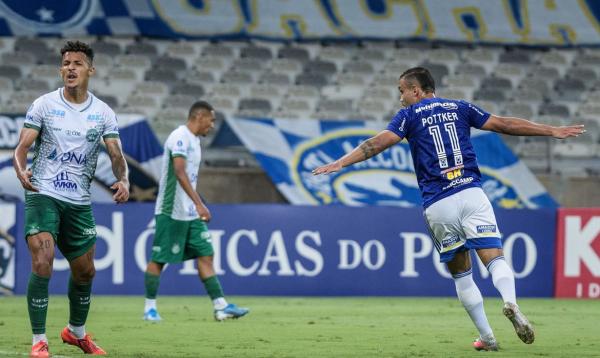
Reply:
x=181 y=216
x=66 y=126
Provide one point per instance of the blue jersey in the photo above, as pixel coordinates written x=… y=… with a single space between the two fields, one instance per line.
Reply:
x=438 y=131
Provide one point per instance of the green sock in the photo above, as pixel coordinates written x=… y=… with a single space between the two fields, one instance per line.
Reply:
x=151 y=282
x=37 y=302
x=213 y=287
x=79 y=301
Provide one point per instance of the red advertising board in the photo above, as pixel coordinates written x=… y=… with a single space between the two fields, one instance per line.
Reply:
x=578 y=253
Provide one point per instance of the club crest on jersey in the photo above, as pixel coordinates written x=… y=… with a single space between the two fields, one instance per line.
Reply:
x=91 y=135
x=359 y=184
x=48 y=16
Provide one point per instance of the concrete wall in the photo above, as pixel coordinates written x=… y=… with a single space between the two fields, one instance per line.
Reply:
x=252 y=185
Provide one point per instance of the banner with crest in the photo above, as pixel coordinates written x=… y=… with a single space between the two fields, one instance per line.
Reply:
x=289 y=149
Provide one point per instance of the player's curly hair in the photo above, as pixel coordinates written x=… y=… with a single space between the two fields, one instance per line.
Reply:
x=422 y=76
x=78 y=46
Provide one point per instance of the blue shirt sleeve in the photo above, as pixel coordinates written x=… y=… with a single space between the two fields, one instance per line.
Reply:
x=475 y=115
x=398 y=124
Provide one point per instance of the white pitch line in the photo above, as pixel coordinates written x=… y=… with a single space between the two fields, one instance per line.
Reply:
x=27 y=354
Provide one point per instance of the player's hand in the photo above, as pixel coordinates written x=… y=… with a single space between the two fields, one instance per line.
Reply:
x=203 y=212
x=25 y=179
x=328 y=168
x=568 y=131
x=122 y=194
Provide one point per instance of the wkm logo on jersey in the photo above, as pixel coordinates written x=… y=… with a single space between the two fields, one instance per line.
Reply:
x=386 y=179
x=63 y=183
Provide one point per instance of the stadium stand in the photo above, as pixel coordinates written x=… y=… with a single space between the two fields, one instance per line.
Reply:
x=321 y=80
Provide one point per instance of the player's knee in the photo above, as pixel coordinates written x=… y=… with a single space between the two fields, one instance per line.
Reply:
x=85 y=275
x=41 y=266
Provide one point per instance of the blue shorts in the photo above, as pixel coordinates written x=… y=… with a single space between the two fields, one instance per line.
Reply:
x=472 y=244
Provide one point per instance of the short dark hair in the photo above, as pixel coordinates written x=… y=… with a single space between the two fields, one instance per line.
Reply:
x=78 y=46
x=422 y=76
x=199 y=105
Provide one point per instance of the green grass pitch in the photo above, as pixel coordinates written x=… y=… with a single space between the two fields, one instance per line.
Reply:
x=308 y=327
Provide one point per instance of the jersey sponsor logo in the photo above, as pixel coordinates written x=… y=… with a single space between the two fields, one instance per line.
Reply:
x=449 y=242
x=92 y=135
x=63 y=183
x=180 y=143
x=48 y=16
x=453 y=173
x=446 y=105
x=72 y=133
x=484 y=229
x=68 y=157
x=90 y=231
x=475 y=109
x=458 y=182
x=56 y=113
x=96 y=117
x=386 y=179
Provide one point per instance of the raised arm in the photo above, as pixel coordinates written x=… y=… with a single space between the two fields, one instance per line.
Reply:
x=179 y=164
x=120 y=170
x=367 y=149
x=26 y=140
x=522 y=127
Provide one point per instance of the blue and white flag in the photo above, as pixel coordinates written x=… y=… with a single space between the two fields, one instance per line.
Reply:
x=289 y=150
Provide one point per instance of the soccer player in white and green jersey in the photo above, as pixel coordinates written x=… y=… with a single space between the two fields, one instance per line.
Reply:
x=181 y=216
x=66 y=126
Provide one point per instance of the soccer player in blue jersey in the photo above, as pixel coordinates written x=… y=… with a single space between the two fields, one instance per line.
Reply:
x=459 y=215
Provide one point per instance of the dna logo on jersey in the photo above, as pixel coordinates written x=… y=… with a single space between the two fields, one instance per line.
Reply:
x=48 y=16
x=386 y=179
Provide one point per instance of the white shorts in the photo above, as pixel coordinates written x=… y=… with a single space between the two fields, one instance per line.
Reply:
x=466 y=215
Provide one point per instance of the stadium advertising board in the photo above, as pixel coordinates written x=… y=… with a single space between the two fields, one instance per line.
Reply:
x=525 y=22
x=301 y=250
x=295 y=147
x=578 y=253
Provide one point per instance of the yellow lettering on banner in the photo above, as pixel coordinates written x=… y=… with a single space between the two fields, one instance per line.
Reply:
x=216 y=18
x=279 y=19
x=560 y=22
x=494 y=20
x=401 y=18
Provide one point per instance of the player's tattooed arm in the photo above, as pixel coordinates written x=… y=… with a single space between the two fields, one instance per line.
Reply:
x=364 y=151
x=369 y=149
x=120 y=169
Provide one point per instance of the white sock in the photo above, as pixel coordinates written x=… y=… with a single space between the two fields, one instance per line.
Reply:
x=219 y=303
x=150 y=303
x=38 y=337
x=78 y=331
x=503 y=278
x=470 y=296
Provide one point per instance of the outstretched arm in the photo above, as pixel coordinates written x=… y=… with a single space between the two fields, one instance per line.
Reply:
x=26 y=139
x=523 y=127
x=120 y=170
x=367 y=149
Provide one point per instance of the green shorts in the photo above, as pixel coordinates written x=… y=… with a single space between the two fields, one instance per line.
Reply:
x=178 y=241
x=72 y=226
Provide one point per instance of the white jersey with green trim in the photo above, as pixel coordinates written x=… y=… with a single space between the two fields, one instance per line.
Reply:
x=172 y=200
x=66 y=149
